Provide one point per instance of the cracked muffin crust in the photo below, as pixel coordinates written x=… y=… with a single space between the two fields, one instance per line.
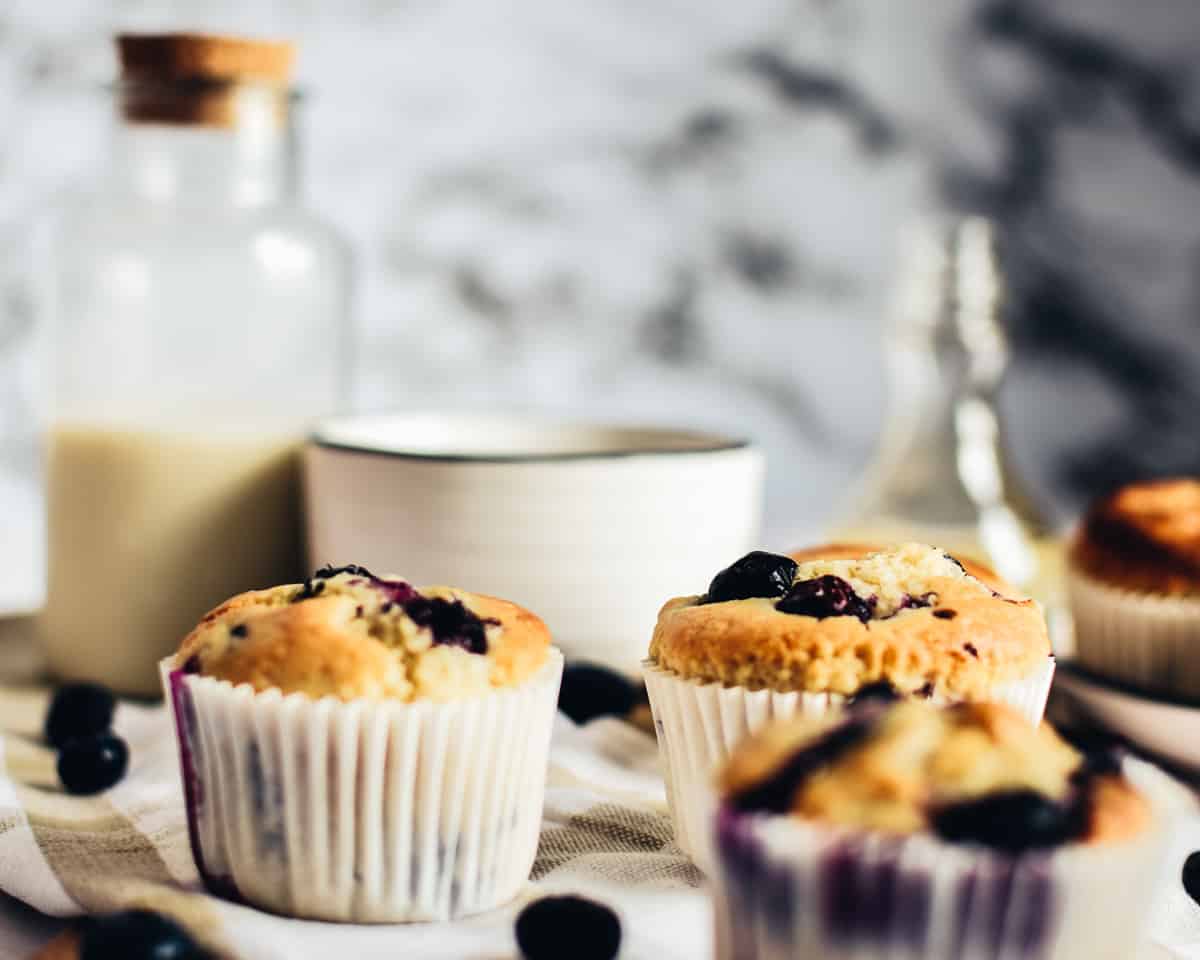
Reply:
x=1144 y=538
x=909 y=615
x=970 y=773
x=348 y=633
x=847 y=551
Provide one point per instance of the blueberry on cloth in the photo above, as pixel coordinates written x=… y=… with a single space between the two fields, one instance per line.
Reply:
x=92 y=764
x=757 y=574
x=590 y=691
x=1012 y=821
x=557 y=927
x=826 y=596
x=1191 y=875
x=78 y=710
x=136 y=935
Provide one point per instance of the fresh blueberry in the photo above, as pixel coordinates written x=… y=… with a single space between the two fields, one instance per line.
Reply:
x=556 y=927
x=757 y=574
x=1191 y=875
x=78 y=710
x=136 y=935
x=590 y=691
x=1012 y=821
x=92 y=764
x=826 y=596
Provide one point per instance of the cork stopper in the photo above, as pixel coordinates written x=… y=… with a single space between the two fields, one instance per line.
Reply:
x=195 y=78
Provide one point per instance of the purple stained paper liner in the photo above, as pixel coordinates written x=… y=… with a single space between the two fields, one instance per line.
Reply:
x=366 y=811
x=791 y=888
x=193 y=791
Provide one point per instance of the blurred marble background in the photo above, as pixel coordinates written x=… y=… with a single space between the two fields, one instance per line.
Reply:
x=690 y=211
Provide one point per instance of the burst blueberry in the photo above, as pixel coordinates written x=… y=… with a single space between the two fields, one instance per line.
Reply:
x=556 y=927
x=775 y=793
x=92 y=764
x=1012 y=821
x=451 y=623
x=757 y=574
x=329 y=571
x=826 y=596
x=78 y=710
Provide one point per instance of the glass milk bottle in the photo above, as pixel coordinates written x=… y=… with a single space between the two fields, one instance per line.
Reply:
x=941 y=473
x=196 y=321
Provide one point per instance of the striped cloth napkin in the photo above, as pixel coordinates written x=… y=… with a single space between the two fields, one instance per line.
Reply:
x=605 y=834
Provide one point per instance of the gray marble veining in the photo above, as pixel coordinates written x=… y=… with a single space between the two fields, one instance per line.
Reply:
x=690 y=212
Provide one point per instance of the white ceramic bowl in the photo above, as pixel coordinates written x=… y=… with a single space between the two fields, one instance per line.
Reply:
x=592 y=527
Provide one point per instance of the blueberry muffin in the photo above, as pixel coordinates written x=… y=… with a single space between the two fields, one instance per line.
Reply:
x=909 y=829
x=356 y=749
x=969 y=773
x=1134 y=585
x=911 y=616
x=775 y=636
x=347 y=633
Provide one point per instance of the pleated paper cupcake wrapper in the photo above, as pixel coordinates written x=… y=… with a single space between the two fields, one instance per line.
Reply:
x=699 y=724
x=785 y=888
x=367 y=811
x=1152 y=642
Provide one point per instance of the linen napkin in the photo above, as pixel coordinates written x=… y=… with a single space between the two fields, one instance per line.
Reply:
x=605 y=834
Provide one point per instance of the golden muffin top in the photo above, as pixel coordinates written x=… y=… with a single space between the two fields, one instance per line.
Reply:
x=970 y=773
x=1144 y=537
x=348 y=633
x=910 y=615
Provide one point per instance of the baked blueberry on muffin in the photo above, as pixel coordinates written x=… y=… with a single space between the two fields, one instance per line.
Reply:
x=354 y=748
x=918 y=831
x=774 y=636
x=1134 y=584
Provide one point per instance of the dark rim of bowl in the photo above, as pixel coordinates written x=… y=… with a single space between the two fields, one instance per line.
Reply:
x=1112 y=685
x=718 y=446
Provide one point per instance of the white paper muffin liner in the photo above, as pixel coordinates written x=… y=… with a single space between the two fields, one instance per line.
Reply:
x=367 y=811
x=699 y=724
x=786 y=888
x=1149 y=641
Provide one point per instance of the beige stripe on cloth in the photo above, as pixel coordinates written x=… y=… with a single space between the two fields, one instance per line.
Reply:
x=618 y=844
x=106 y=863
x=99 y=855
